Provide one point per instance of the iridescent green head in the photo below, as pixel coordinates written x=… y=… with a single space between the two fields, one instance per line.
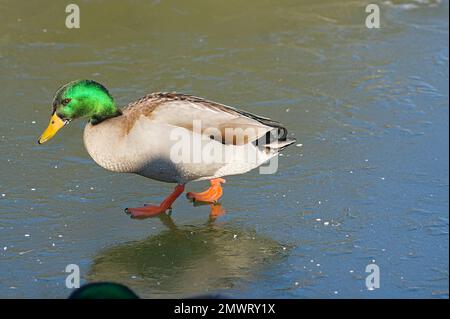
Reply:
x=80 y=99
x=84 y=98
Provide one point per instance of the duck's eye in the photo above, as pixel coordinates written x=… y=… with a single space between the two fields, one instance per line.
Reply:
x=65 y=101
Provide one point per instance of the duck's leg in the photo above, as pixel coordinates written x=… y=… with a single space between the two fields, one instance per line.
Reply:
x=153 y=210
x=211 y=195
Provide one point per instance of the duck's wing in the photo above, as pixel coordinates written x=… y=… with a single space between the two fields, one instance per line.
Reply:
x=234 y=126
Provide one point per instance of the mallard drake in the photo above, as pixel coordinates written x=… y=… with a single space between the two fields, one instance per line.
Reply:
x=103 y=290
x=169 y=137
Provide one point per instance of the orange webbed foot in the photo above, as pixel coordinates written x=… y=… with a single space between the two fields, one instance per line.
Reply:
x=155 y=210
x=145 y=212
x=211 y=195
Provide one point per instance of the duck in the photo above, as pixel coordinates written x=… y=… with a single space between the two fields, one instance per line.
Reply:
x=103 y=290
x=169 y=137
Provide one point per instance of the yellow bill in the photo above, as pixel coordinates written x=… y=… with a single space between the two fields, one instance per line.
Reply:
x=56 y=123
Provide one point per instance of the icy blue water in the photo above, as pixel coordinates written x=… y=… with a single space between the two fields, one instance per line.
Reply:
x=367 y=182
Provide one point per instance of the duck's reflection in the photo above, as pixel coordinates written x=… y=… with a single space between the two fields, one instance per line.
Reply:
x=188 y=260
